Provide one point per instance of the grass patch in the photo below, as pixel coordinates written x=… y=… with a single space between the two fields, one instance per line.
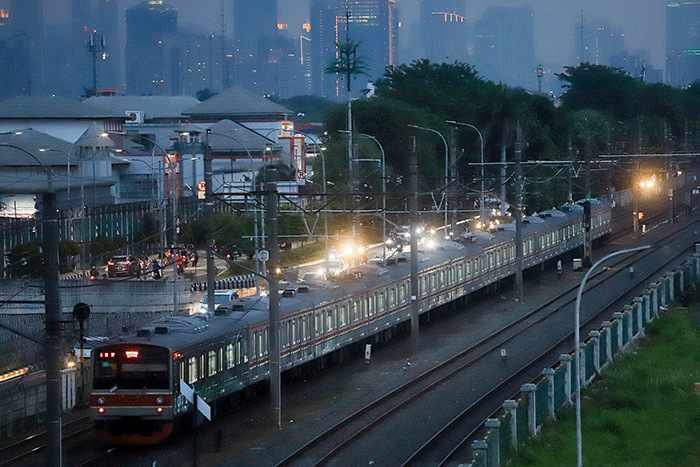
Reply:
x=641 y=412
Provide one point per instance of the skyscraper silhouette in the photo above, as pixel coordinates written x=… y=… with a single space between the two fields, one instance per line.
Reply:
x=151 y=49
x=443 y=30
x=682 y=43
x=374 y=22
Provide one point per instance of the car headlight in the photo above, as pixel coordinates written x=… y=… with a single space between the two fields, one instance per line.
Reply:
x=159 y=400
x=101 y=400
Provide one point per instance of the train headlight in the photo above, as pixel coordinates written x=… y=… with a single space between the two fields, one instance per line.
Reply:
x=101 y=410
x=101 y=400
x=159 y=409
x=159 y=400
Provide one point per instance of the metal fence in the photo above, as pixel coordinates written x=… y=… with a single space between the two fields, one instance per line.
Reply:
x=555 y=389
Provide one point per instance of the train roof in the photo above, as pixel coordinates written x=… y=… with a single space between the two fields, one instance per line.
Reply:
x=181 y=332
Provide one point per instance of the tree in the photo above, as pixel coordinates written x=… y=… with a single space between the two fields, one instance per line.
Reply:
x=602 y=88
x=204 y=94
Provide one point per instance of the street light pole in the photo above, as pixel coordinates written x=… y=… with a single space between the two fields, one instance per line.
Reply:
x=447 y=166
x=481 y=140
x=54 y=454
x=255 y=208
x=381 y=148
x=577 y=339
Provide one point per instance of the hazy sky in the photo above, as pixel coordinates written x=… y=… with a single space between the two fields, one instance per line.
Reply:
x=643 y=21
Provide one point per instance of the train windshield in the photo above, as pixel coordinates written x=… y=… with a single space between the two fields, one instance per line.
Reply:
x=132 y=366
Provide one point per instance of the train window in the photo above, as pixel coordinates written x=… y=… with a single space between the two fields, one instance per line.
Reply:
x=263 y=343
x=256 y=346
x=469 y=269
x=293 y=332
x=182 y=375
x=201 y=366
x=211 y=363
x=220 y=359
x=392 y=298
x=402 y=293
x=230 y=357
x=329 y=321
x=380 y=302
x=460 y=272
x=192 y=370
x=306 y=334
x=370 y=304
x=319 y=324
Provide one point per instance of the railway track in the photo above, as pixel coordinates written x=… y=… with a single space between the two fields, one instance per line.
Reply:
x=18 y=452
x=447 y=446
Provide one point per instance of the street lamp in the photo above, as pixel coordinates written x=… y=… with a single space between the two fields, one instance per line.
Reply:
x=53 y=317
x=381 y=148
x=481 y=139
x=171 y=166
x=255 y=208
x=447 y=166
x=577 y=338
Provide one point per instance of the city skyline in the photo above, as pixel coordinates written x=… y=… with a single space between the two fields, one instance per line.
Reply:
x=642 y=20
x=554 y=26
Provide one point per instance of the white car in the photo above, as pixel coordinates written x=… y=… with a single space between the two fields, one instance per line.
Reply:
x=220 y=297
x=334 y=268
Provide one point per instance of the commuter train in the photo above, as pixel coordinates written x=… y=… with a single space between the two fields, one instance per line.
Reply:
x=136 y=396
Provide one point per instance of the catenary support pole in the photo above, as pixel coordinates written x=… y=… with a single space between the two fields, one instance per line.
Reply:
x=413 y=174
x=208 y=218
x=273 y=294
x=54 y=454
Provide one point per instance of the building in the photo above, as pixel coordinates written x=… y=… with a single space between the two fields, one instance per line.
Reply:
x=638 y=66
x=21 y=48
x=596 y=42
x=504 y=46
x=444 y=30
x=682 y=43
x=152 y=51
x=265 y=61
x=374 y=22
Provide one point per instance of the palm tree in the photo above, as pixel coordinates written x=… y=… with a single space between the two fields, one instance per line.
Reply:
x=348 y=63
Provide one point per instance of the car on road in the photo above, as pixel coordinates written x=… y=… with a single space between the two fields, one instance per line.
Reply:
x=221 y=297
x=125 y=265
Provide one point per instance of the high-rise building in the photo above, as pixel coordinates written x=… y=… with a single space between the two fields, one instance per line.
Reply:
x=443 y=30
x=504 y=46
x=373 y=22
x=682 y=43
x=258 y=47
x=596 y=42
x=152 y=52
x=21 y=48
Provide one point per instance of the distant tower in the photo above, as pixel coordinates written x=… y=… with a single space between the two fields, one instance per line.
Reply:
x=443 y=29
x=257 y=44
x=597 y=42
x=375 y=22
x=504 y=46
x=21 y=54
x=682 y=43
x=540 y=74
x=151 y=27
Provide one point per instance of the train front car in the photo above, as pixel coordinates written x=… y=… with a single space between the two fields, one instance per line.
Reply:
x=132 y=397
